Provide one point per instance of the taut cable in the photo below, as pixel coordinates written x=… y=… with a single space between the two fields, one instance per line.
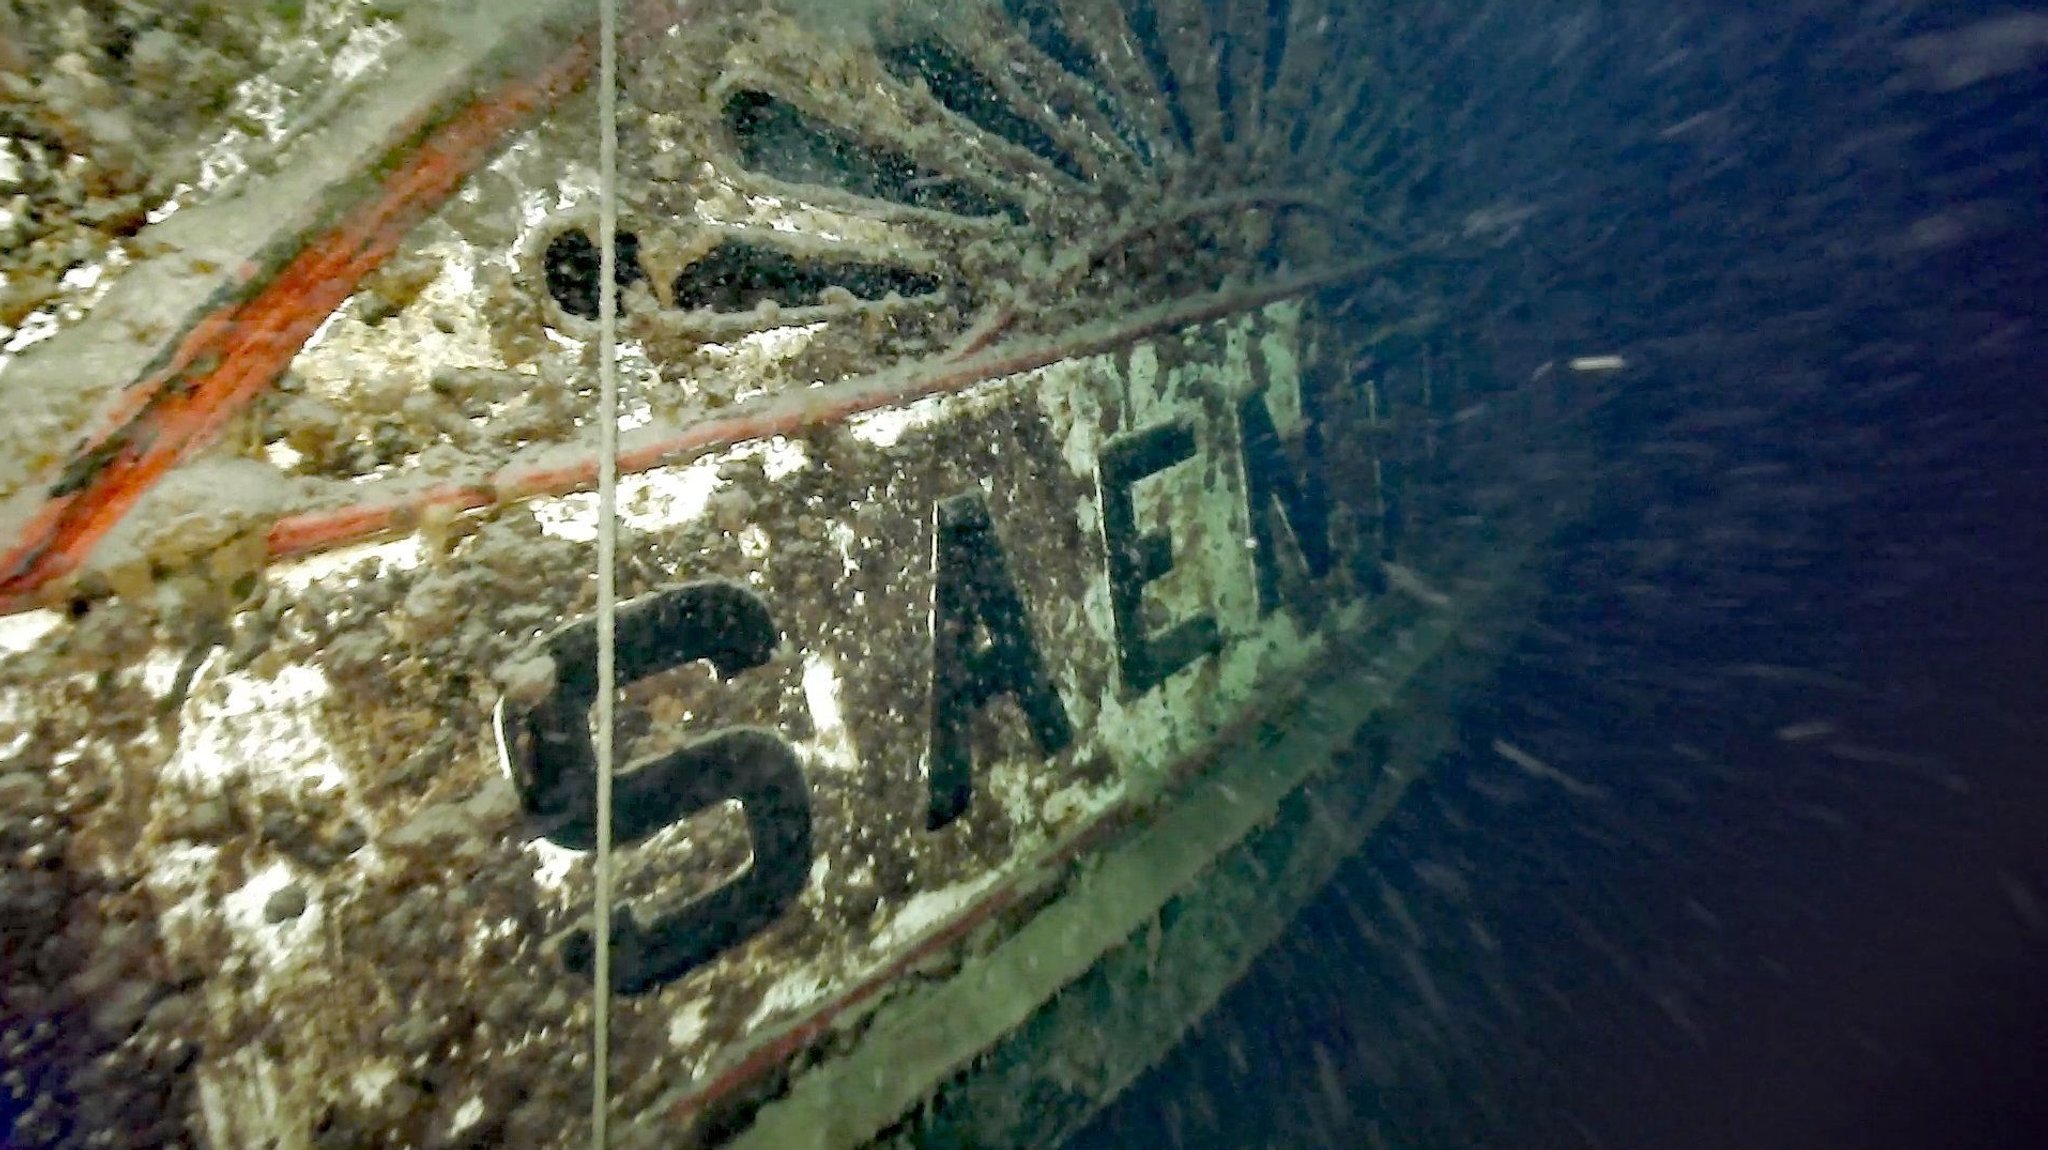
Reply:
x=607 y=556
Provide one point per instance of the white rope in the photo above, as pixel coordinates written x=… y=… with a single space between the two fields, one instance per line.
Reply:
x=607 y=555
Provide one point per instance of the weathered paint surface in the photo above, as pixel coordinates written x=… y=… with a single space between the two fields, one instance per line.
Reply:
x=377 y=925
x=269 y=857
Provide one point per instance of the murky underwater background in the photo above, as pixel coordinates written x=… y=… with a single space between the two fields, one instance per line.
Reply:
x=1747 y=845
x=1794 y=666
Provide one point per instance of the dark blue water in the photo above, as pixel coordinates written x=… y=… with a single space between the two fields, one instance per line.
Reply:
x=1799 y=652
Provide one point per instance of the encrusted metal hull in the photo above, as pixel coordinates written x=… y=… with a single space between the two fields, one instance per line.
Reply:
x=1007 y=460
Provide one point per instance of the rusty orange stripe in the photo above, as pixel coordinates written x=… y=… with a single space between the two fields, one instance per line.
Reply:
x=226 y=360
x=313 y=532
x=788 y=413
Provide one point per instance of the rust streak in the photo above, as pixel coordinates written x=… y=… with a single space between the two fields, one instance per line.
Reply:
x=785 y=414
x=229 y=357
x=313 y=532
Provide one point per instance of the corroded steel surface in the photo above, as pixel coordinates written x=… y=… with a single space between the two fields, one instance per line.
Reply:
x=983 y=415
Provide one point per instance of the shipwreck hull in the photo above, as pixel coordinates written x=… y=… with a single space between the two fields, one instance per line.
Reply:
x=1052 y=502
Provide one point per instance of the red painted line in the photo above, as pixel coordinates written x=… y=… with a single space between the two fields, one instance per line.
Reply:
x=784 y=414
x=229 y=357
x=226 y=360
x=313 y=532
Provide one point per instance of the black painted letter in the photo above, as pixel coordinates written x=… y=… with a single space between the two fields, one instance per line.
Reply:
x=1274 y=490
x=973 y=592
x=1137 y=559
x=571 y=265
x=555 y=767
